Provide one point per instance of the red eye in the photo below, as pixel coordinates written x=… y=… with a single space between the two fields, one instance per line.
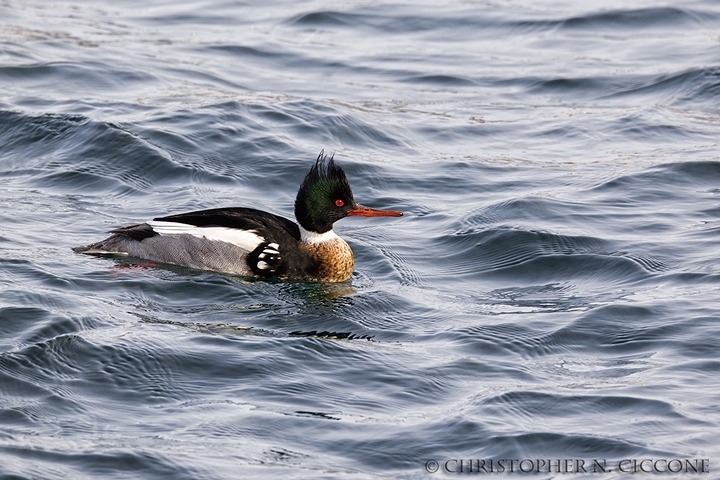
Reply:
x=339 y=202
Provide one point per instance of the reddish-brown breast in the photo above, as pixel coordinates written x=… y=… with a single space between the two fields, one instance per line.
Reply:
x=336 y=262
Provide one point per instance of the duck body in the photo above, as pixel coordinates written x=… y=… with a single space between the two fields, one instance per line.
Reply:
x=250 y=242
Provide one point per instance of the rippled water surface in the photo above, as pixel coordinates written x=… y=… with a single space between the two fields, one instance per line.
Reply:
x=551 y=292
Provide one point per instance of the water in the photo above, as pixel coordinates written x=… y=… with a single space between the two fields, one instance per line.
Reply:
x=550 y=293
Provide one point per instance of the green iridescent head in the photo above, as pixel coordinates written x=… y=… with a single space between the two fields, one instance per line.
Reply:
x=324 y=197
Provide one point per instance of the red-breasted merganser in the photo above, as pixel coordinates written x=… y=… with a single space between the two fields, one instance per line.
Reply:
x=249 y=242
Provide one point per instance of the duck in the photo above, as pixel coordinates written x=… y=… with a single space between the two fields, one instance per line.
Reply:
x=254 y=243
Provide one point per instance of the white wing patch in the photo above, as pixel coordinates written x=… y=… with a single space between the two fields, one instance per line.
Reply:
x=245 y=239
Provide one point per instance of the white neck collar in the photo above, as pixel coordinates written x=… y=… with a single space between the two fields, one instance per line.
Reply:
x=312 y=237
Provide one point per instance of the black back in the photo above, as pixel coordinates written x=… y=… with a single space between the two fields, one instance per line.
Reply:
x=265 y=224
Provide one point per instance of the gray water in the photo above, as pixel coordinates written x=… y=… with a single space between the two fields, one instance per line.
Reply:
x=550 y=293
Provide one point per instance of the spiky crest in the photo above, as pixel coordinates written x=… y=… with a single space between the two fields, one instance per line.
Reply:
x=326 y=183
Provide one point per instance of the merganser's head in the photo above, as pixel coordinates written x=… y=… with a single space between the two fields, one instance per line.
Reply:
x=325 y=197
